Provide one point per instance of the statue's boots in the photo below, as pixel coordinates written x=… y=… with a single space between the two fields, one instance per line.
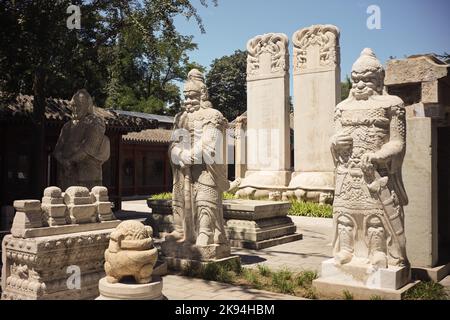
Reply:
x=377 y=245
x=345 y=255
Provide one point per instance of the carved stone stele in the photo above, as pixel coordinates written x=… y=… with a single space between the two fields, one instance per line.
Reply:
x=368 y=150
x=268 y=122
x=316 y=92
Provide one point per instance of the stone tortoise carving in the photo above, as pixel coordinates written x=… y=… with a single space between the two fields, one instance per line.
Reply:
x=130 y=253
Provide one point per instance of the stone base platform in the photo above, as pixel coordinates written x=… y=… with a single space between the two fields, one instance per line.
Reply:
x=431 y=274
x=178 y=264
x=328 y=288
x=175 y=249
x=258 y=225
x=131 y=291
x=362 y=281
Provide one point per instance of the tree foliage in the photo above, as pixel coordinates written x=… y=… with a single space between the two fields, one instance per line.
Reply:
x=346 y=86
x=227 y=84
x=128 y=54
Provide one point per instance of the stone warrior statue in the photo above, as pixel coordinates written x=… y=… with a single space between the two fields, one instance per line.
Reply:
x=82 y=147
x=368 y=152
x=199 y=177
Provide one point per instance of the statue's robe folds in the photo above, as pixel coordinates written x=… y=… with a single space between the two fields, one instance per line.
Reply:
x=81 y=150
x=198 y=188
x=376 y=126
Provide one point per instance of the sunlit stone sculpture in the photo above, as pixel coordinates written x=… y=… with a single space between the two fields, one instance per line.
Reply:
x=368 y=150
x=200 y=178
x=82 y=146
x=129 y=262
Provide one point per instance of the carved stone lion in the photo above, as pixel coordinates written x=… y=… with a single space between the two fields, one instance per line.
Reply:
x=130 y=253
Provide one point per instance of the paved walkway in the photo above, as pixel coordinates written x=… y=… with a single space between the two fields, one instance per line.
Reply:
x=182 y=288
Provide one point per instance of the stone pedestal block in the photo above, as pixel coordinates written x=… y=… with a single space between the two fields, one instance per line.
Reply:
x=258 y=224
x=362 y=281
x=131 y=291
x=46 y=267
x=28 y=215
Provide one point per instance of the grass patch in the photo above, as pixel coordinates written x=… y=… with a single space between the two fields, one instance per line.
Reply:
x=161 y=196
x=261 y=278
x=168 y=196
x=427 y=291
x=347 y=295
x=310 y=209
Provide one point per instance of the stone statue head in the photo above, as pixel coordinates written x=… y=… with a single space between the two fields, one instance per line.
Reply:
x=82 y=104
x=195 y=91
x=367 y=76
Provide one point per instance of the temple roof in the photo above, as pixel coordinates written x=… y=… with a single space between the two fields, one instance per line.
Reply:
x=158 y=136
x=57 y=111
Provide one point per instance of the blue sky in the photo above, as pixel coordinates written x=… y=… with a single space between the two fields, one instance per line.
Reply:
x=407 y=26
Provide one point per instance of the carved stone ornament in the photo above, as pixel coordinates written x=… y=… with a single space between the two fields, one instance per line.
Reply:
x=274 y=44
x=325 y=37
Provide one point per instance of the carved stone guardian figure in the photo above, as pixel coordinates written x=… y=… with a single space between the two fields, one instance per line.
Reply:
x=82 y=147
x=368 y=150
x=200 y=178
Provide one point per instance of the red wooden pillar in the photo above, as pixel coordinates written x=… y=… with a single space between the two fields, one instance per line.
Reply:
x=118 y=170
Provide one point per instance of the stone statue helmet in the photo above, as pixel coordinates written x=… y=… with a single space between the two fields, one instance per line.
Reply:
x=82 y=104
x=367 y=76
x=195 y=91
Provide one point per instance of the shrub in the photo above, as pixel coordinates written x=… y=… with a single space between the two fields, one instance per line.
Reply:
x=310 y=209
x=282 y=280
x=162 y=196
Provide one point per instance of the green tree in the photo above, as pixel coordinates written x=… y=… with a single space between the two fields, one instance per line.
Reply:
x=227 y=84
x=127 y=53
x=345 y=88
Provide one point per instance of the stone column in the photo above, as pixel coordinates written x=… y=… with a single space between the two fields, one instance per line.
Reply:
x=422 y=82
x=268 y=147
x=316 y=92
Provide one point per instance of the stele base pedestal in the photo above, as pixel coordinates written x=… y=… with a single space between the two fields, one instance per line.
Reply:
x=131 y=291
x=363 y=282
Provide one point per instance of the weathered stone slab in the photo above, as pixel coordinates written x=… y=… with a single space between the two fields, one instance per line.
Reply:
x=40 y=268
x=183 y=264
x=61 y=230
x=258 y=225
x=176 y=249
x=254 y=210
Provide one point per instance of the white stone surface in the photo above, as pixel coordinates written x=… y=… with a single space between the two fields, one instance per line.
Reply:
x=361 y=273
x=420 y=168
x=130 y=291
x=316 y=93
